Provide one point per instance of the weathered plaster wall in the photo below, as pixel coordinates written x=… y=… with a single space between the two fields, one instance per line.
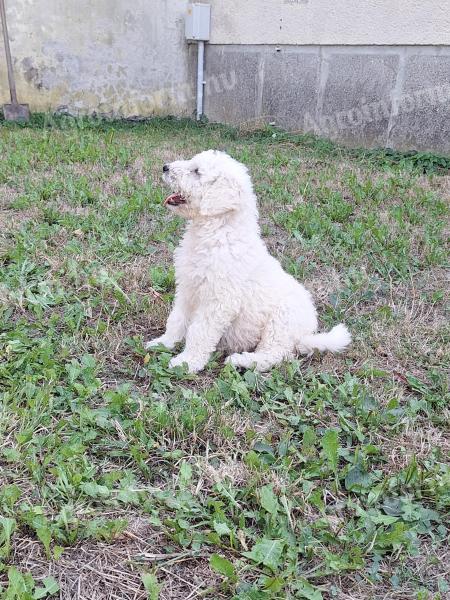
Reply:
x=104 y=56
x=331 y=22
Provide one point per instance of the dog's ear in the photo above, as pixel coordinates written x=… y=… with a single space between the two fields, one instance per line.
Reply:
x=221 y=198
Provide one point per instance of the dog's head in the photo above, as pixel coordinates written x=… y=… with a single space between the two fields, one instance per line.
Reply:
x=209 y=185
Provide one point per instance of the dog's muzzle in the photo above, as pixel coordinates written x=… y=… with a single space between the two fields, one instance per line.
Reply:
x=175 y=200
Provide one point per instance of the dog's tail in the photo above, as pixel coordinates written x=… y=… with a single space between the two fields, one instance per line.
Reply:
x=335 y=340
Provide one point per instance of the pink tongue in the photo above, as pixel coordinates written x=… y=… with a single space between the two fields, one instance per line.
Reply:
x=174 y=199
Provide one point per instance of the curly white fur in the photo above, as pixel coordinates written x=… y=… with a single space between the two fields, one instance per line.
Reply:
x=231 y=294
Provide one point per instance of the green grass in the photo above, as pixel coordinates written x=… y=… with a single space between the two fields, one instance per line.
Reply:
x=326 y=478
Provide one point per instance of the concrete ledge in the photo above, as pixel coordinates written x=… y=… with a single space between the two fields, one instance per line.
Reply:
x=291 y=80
x=232 y=85
x=423 y=112
x=369 y=96
x=357 y=98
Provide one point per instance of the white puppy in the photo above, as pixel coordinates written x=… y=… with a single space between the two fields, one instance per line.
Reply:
x=231 y=294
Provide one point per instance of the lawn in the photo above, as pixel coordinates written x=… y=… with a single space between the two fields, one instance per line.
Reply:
x=326 y=478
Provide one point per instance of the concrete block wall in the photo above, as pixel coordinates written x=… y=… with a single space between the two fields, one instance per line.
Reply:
x=368 y=96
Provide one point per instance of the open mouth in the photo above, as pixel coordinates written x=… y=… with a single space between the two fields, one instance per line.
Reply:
x=174 y=200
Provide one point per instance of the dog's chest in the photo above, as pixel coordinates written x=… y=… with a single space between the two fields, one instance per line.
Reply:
x=197 y=263
x=191 y=267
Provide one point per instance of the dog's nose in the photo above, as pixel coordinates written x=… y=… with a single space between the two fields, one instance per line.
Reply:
x=165 y=168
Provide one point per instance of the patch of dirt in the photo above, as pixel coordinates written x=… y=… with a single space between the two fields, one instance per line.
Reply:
x=414 y=442
x=94 y=570
x=427 y=567
x=11 y=219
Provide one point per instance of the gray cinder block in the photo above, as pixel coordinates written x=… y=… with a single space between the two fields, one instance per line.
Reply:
x=422 y=116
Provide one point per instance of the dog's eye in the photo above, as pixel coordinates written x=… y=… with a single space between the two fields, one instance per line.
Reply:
x=197 y=171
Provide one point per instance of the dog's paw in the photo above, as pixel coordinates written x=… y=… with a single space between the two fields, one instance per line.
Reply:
x=159 y=341
x=243 y=360
x=177 y=361
x=193 y=366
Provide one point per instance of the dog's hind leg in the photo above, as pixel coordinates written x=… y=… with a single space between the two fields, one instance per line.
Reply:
x=273 y=348
x=260 y=360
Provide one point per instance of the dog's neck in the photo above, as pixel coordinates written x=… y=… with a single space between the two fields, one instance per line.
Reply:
x=231 y=221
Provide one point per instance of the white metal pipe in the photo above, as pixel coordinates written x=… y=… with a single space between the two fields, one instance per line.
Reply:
x=200 y=81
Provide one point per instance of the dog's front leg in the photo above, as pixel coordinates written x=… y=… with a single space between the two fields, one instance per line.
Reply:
x=202 y=338
x=176 y=325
